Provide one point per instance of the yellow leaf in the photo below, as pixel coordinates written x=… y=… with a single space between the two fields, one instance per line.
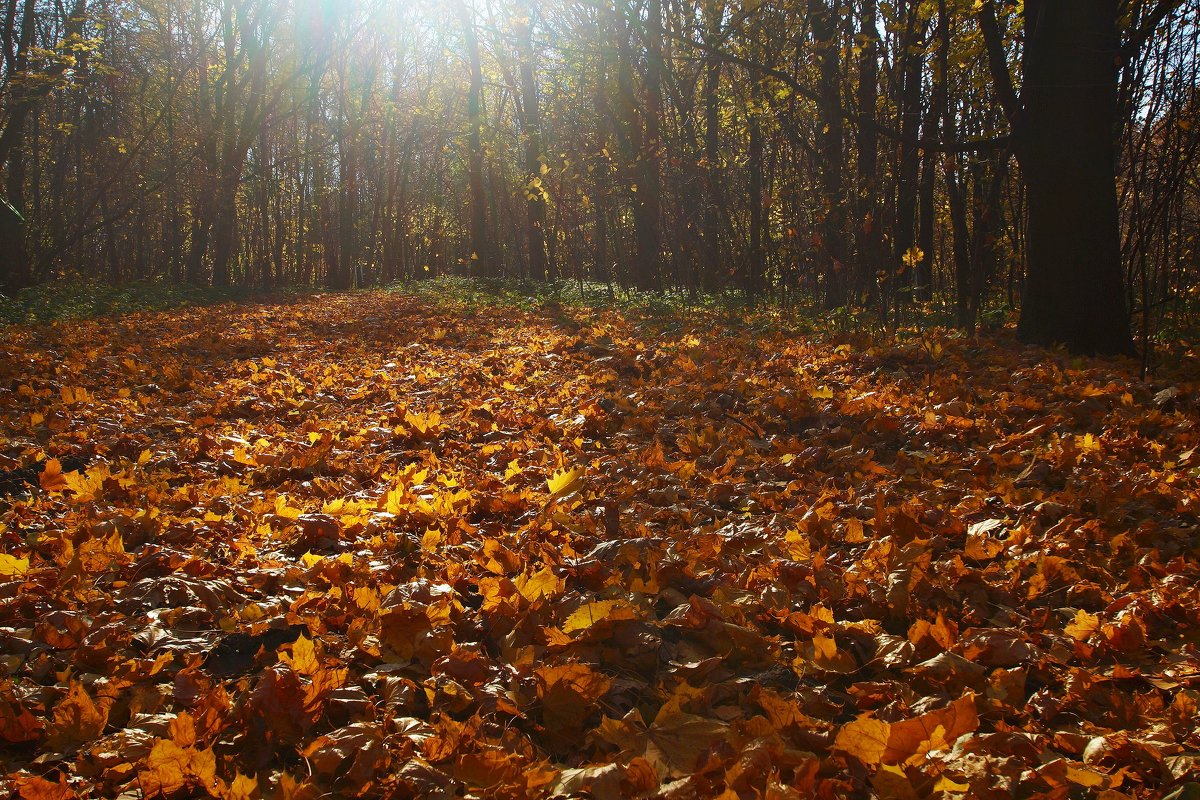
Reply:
x=565 y=482
x=890 y=783
x=12 y=567
x=824 y=648
x=367 y=599
x=304 y=656
x=182 y=730
x=242 y=788
x=947 y=785
x=169 y=768
x=166 y=768
x=431 y=539
x=543 y=583
x=589 y=614
x=34 y=787
x=866 y=738
x=797 y=545
x=310 y=560
x=931 y=731
x=1084 y=626
x=1082 y=776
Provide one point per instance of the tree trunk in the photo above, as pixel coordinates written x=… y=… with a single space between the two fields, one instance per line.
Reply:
x=1073 y=288
x=648 y=199
x=535 y=192
x=224 y=230
x=481 y=248
x=830 y=131
x=909 y=102
x=712 y=160
x=14 y=261
x=923 y=278
x=756 y=263
x=868 y=244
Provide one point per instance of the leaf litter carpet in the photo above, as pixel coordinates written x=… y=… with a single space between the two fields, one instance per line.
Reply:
x=370 y=546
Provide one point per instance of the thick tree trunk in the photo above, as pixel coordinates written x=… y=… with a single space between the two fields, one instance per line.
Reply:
x=1073 y=289
x=14 y=258
x=224 y=238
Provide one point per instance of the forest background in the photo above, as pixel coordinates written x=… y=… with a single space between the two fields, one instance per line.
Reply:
x=952 y=156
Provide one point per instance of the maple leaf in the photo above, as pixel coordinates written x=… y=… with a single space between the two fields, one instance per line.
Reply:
x=170 y=767
x=680 y=739
x=569 y=692
x=541 y=584
x=17 y=723
x=1083 y=626
x=360 y=744
x=866 y=738
x=52 y=478
x=77 y=718
x=873 y=741
x=242 y=787
x=13 y=567
x=33 y=787
x=304 y=657
x=589 y=614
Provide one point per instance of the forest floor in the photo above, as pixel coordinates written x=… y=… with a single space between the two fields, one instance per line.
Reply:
x=376 y=545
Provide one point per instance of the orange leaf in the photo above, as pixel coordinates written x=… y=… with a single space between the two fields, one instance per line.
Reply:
x=52 y=478
x=32 y=787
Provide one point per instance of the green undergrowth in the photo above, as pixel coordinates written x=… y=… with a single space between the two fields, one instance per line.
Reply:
x=74 y=299
x=1176 y=345
x=661 y=311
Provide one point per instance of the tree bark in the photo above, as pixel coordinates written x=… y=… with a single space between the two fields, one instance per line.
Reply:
x=868 y=244
x=535 y=192
x=1073 y=289
x=481 y=247
x=830 y=135
x=923 y=278
x=908 y=174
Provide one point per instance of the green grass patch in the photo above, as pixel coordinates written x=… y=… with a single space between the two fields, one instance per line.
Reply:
x=74 y=299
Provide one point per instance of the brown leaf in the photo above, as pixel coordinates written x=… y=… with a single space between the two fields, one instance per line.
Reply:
x=683 y=738
x=77 y=718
